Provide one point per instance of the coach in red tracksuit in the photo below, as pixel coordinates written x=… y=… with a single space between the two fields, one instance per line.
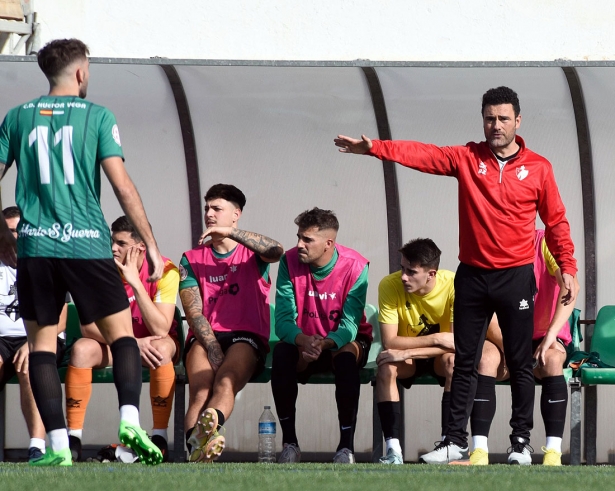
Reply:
x=502 y=184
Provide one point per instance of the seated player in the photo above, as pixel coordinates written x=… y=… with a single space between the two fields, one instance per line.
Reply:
x=416 y=325
x=551 y=336
x=14 y=347
x=320 y=320
x=152 y=306
x=225 y=293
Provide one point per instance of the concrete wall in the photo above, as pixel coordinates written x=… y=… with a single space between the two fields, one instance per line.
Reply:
x=449 y=30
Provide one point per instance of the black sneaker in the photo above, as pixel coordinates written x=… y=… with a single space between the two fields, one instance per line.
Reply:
x=34 y=453
x=162 y=444
x=520 y=452
x=105 y=454
x=74 y=444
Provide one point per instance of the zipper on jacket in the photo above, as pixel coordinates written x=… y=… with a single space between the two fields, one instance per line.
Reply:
x=501 y=171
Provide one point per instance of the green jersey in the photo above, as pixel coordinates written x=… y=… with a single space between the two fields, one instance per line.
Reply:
x=58 y=144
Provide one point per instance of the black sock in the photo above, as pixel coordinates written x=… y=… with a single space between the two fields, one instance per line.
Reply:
x=483 y=410
x=347 y=392
x=188 y=434
x=220 y=419
x=47 y=389
x=390 y=418
x=284 y=388
x=446 y=407
x=553 y=402
x=127 y=371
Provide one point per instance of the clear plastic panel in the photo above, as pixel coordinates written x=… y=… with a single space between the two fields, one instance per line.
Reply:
x=141 y=99
x=598 y=88
x=443 y=106
x=270 y=131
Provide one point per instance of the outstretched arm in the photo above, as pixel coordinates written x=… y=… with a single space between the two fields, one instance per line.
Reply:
x=131 y=203
x=269 y=250
x=193 y=308
x=353 y=145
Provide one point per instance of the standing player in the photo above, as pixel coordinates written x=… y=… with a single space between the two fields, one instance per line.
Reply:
x=60 y=142
x=320 y=320
x=152 y=306
x=502 y=184
x=224 y=289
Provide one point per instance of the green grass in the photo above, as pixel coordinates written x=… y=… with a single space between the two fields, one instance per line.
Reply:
x=302 y=477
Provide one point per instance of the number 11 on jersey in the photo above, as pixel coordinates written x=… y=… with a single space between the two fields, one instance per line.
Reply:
x=40 y=135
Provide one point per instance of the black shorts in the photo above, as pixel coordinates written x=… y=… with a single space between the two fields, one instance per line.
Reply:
x=325 y=361
x=227 y=339
x=422 y=367
x=9 y=346
x=94 y=284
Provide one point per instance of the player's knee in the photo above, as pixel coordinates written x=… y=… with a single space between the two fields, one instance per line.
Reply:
x=387 y=373
x=84 y=352
x=489 y=361
x=554 y=363
x=167 y=349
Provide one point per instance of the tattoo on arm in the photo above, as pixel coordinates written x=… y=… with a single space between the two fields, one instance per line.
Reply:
x=193 y=307
x=260 y=244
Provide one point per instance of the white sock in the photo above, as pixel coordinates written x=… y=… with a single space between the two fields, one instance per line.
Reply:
x=58 y=439
x=162 y=433
x=554 y=443
x=38 y=443
x=394 y=444
x=76 y=433
x=480 y=441
x=130 y=414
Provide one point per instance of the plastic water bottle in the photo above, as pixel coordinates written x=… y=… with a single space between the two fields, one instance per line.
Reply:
x=266 y=437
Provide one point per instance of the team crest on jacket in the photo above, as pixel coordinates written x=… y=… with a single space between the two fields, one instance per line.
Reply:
x=482 y=169
x=522 y=172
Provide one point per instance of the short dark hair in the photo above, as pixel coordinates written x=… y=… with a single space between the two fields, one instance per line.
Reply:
x=423 y=252
x=122 y=224
x=11 y=212
x=321 y=219
x=227 y=192
x=58 y=54
x=501 y=95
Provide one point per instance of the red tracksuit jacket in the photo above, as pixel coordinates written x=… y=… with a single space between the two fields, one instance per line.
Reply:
x=497 y=210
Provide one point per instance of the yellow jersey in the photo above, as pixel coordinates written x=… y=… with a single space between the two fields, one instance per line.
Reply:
x=413 y=314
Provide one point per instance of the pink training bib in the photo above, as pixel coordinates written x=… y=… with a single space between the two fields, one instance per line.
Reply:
x=235 y=295
x=547 y=295
x=320 y=302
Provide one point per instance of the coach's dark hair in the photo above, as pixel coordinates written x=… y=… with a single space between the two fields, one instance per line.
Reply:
x=122 y=224
x=501 y=95
x=11 y=212
x=423 y=252
x=59 y=54
x=227 y=192
x=321 y=219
